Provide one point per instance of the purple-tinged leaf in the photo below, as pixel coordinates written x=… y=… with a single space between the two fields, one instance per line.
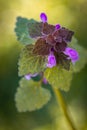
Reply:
x=69 y=37
x=41 y=47
x=60 y=47
x=57 y=36
x=63 y=34
x=63 y=60
x=50 y=40
x=66 y=34
x=48 y=29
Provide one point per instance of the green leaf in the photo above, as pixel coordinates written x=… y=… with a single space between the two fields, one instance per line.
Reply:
x=35 y=29
x=21 y=30
x=30 y=63
x=82 y=55
x=59 y=77
x=30 y=96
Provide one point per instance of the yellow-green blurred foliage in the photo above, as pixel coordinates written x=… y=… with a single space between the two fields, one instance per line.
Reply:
x=72 y=14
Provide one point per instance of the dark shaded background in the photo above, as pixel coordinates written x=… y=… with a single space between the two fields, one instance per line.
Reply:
x=72 y=14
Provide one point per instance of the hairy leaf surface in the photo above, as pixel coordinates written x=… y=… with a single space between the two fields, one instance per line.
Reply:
x=22 y=31
x=59 y=78
x=31 y=96
x=30 y=63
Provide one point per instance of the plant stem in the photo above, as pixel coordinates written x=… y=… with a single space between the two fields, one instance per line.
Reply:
x=63 y=105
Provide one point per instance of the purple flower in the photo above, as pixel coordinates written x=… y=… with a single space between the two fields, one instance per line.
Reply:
x=43 y=17
x=51 y=60
x=57 y=26
x=72 y=53
x=28 y=76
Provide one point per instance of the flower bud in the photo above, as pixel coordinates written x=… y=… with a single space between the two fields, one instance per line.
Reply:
x=43 y=17
x=72 y=53
x=51 y=61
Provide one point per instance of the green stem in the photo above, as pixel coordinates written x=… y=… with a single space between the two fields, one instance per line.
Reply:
x=63 y=105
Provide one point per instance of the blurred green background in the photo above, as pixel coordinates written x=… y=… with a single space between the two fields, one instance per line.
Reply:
x=72 y=14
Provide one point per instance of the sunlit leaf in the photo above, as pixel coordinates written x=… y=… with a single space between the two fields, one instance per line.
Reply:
x=82 y=56
x=30 y=63
x=31 y=96
x=21 y=30
x=58 y=77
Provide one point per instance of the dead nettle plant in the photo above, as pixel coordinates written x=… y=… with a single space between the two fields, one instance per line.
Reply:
x=50 y=55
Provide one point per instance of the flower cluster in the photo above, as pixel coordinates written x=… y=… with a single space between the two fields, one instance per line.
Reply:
x=53 y=41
